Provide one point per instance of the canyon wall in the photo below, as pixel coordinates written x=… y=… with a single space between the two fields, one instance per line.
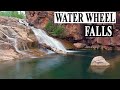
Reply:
x=74 y=32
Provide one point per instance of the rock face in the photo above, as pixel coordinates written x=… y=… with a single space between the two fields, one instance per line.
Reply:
x=15 y=38
x=9 y=54
x=74 y=32
x=99 y=61
x=39 y=19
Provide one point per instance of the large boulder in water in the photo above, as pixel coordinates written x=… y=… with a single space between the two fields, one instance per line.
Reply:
x=99 y=61
x=99 y=70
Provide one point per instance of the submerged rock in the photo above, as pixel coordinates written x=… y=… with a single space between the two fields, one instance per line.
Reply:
x=99 y=61
x=99 y=70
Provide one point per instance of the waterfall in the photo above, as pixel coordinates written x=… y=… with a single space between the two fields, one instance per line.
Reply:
x=45 y=40
x=13 y=42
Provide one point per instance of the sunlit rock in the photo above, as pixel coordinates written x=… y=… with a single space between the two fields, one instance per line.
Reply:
x=10 y=54
x=99 y=61
x=15 y=39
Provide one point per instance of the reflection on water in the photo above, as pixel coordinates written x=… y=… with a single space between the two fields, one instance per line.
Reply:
x=55 y=66
x=98 y=70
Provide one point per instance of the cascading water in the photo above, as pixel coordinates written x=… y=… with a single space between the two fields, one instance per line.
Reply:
x=46 y=40
x=43 y=38
x=14 y=42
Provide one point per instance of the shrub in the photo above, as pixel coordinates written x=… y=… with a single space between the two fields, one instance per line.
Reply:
x=55 y=30
x=12 y=14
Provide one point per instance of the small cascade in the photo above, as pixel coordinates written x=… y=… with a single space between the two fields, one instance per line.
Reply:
x=46 y=41
x=14 y=43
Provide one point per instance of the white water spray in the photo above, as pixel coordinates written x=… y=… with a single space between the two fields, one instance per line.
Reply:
x=44 y=39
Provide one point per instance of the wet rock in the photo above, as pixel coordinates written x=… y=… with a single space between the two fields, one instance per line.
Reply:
x=79 y=45
x=14 y=39
x=99 y=70
x=106 y=47
x=67 y=44
x=99 y=61
x=58 y=51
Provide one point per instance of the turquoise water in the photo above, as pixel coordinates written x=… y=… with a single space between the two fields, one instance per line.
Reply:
x=55 y=66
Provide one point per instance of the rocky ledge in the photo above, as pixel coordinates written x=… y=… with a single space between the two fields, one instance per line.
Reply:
x=16 y=40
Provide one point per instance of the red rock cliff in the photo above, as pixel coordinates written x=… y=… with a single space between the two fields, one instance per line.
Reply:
x=74 y=32
x=40 y=19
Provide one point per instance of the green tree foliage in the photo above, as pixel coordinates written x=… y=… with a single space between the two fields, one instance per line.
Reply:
x=12 y=14
x=55 y=30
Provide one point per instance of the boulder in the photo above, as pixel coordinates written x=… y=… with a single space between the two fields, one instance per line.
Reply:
x=99 y=70
x=79 y=45
x=99 y=61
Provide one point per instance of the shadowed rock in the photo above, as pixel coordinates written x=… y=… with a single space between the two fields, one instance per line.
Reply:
x=98 y=70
